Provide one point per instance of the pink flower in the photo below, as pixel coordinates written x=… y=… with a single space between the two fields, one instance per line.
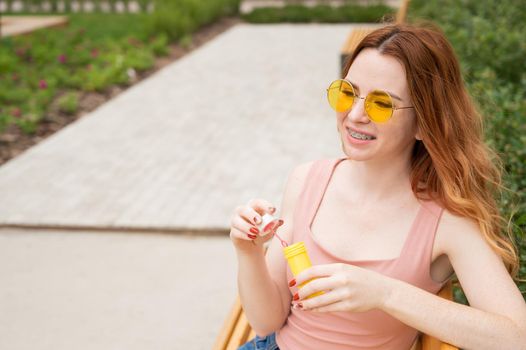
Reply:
x=16 y=112
x=42 y=84
x=94 y=53
x=62 y=58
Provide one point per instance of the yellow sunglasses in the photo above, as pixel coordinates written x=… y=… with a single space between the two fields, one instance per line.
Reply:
x=379 y=104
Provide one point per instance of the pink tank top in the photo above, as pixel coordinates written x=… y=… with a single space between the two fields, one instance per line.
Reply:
x=372 y=329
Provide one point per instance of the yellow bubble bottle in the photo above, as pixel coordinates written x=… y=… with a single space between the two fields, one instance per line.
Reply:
x=298 y=260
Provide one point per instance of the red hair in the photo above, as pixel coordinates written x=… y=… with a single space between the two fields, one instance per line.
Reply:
x=451 y=164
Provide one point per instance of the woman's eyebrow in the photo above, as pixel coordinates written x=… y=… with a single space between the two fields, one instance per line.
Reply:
x=390 y=93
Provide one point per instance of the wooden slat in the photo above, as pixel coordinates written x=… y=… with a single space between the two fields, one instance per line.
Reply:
x=240 y=334
x=229 y=325
x=401 y=14
x=356 y=35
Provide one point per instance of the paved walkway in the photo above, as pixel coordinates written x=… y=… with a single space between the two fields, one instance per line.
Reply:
x=112 y=291
x=181 y=149
x=17 y=25
x=176 y=152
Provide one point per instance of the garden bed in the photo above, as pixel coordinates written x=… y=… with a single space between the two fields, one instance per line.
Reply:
x=68 y=106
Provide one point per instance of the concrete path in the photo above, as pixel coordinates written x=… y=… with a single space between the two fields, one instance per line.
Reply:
x=17 y=25
x=176 y=152
x=181 y=149
x=112 y=291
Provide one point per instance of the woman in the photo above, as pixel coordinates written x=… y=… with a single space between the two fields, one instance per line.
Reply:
x=411 y=203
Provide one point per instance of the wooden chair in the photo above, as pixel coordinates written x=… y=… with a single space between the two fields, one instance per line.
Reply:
x=357 y=34
x=236 y=330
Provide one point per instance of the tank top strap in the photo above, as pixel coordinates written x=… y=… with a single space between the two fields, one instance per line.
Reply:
x=313 y=188
x=417 y=256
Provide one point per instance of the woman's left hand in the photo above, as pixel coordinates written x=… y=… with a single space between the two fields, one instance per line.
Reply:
x=346 y=288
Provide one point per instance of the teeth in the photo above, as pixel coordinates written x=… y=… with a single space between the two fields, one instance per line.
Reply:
x=360 y=136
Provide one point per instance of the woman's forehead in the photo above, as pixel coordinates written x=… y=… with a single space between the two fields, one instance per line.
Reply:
x=373 y=70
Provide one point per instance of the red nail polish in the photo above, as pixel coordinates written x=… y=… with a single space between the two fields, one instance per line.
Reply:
x=251 y=236
x=254 y=230
x=296 y=297
x=292 y=282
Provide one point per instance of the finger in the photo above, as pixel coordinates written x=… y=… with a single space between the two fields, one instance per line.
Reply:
x=242 y=229
x=334 y=307
x=320 y=284
x=326 y=298
x=318 y=271
x=278 y=225
x=250 y=215
x=262 y=206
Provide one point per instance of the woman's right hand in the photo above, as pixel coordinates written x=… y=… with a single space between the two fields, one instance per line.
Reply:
x=244 y=232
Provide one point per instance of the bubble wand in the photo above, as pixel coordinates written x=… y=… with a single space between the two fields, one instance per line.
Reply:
x=296 y=254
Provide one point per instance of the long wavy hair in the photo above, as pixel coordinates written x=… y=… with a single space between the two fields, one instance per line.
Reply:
x=451 y=164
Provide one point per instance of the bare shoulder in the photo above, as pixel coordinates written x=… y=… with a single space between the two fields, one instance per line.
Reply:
x=455 y=234
x=292 y=191
x=295 y=183
x=299 y=173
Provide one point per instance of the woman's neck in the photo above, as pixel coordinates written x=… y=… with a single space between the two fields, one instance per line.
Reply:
x=379 y=181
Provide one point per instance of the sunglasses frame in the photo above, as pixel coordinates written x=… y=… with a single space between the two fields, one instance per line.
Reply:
x=393 y=108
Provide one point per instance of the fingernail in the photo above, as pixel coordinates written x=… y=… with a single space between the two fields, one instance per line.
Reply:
x=292 y=282
x=251 y=236
x=296 y=297
x=254 y=230
x=280 y=222
x=296 y=306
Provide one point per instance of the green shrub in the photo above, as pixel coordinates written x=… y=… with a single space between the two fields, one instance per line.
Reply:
x=5 y=120
x=488 y=36
x=159 y=45
x=93 y=52
x=177 y=18
x=68 y=103
x=320 y=13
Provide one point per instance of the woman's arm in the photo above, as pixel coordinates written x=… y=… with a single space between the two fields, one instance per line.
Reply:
x=496 y=317
x=262 y=281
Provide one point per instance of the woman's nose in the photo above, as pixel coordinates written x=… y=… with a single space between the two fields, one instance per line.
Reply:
x=357 y=113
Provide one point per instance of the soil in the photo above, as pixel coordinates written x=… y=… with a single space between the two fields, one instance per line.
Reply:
x=14 y=141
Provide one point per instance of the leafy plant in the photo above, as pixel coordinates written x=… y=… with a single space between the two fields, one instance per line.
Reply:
x=488 y=37
x=69 y=102
x=319 y=13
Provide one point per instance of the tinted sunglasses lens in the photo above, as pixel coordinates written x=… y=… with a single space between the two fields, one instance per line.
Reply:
x=340 y=95
x=379 y=106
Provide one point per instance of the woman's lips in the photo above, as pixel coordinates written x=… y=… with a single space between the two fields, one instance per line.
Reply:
x=357 y=141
